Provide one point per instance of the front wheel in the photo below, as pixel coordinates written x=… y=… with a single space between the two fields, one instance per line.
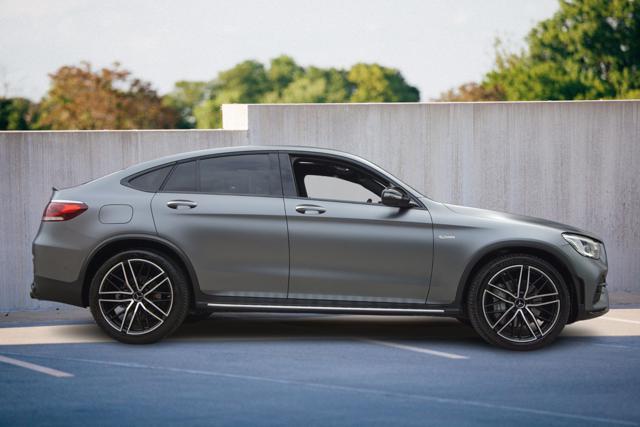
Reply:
x=519 y=302
x=139 y=297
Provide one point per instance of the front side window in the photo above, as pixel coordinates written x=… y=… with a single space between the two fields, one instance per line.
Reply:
x=336 y=180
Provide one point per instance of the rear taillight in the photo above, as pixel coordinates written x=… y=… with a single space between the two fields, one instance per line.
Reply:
x=63 y=210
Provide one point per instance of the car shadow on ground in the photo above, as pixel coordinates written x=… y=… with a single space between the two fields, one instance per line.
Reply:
x=239 y=326
x=414 y=329
x=281 y=327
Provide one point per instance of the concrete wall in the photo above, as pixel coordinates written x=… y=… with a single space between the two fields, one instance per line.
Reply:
x=573 y=162
x=32 y=162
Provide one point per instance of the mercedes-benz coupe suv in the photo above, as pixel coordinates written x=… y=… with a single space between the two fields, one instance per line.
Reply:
x=295 y=229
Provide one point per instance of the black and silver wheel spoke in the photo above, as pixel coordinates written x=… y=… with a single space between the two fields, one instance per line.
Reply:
x=521 y=303
x=135 y=296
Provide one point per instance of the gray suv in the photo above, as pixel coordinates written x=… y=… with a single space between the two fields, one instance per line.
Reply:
x=295 y=229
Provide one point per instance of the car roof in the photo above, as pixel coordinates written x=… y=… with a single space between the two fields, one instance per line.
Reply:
x=238 y=149
x=140 y=167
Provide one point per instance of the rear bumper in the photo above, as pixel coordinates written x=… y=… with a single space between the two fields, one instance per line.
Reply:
x=53 y=290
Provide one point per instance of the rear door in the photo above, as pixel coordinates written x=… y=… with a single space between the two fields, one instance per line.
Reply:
x=345 y=244
x=226 y=213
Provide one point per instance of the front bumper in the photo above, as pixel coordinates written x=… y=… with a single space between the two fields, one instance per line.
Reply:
x=599 y=307
x=590 y=282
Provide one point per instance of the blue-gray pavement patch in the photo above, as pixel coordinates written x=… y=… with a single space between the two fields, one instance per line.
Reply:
x=329 y=377
x=291 y=370
x=371 y=392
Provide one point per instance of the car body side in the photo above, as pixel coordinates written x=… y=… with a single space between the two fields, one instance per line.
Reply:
x=463 y=238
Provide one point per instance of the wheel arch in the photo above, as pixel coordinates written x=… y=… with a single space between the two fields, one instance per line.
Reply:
x=110 y=247
x=540 y=250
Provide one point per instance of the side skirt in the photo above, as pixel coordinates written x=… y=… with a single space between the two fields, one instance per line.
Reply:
x=323 y=306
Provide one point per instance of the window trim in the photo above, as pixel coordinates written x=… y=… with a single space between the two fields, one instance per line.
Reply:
x=292 y=191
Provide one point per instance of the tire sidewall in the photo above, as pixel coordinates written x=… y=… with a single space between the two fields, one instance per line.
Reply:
x=181 y=297
x=474 y=301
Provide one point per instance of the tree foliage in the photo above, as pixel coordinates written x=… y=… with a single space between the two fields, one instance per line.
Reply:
x=183 y=100
x=374 y=83
x=284 y=81
x=589 y=49
x=110 y=98
x=16 y=113
x=80 y=97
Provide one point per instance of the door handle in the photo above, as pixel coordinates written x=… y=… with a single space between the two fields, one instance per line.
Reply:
x=303 y=209
x=175 y=204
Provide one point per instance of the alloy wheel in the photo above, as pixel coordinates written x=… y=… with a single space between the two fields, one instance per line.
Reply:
x=521 y=303
x=135 y=296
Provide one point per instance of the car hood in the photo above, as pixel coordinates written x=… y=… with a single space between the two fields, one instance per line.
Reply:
x=522 y=219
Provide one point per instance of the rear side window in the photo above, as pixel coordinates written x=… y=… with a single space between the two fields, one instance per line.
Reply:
x=246 y=174
x=183 y=178
x=150 y=181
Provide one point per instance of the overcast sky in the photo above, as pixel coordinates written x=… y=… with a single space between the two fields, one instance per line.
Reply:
x=436 y=44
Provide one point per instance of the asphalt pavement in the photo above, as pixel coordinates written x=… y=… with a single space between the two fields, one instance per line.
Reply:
x=262 y=369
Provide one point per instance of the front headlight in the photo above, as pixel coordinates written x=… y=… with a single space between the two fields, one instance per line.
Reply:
x=584 y=245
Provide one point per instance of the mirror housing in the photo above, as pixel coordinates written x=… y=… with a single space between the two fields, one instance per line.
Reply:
x=393 y=196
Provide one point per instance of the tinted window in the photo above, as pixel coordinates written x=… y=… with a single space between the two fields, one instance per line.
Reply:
x=150 y=181
x=183 y=178
x=248 y=174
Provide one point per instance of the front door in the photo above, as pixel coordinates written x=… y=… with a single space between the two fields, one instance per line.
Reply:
x=226 y=213
x=346 y=245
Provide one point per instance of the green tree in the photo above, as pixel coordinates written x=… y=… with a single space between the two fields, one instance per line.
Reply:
x=247 y=82
x=16 y=113
x=317 y=85
x=375 y=83
x=283 y=70
x=184 y=98
x=284 y=81
x=589 y=49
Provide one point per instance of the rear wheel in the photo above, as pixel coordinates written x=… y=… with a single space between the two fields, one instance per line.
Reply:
x=139 y=297
x=519 y=302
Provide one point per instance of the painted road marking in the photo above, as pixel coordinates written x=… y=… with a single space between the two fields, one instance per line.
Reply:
x=353 y=389
x=414 y=349
x=54 y=334
x=34 y=367
x=617 y=319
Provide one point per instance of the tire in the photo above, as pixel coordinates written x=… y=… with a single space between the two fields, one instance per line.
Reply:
x=464 y=321
x=524 y=317
x=139 y=297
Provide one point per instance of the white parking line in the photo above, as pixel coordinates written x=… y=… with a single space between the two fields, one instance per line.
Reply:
x=617 y=319
x=415 y=349
x=34 y=367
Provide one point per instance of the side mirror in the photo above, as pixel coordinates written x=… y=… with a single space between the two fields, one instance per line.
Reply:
x=392 y=196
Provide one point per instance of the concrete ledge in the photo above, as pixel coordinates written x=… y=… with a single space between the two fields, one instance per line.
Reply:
x=573 y=162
